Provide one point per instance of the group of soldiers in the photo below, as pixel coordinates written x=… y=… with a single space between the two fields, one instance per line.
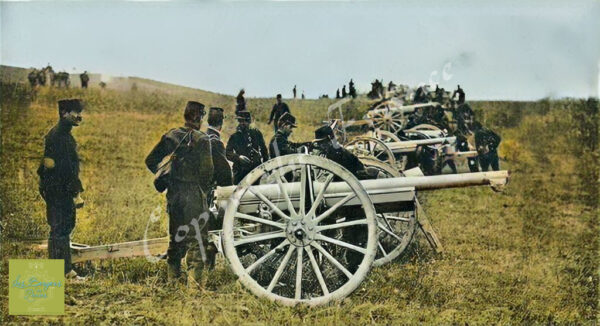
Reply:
x=39 y=77
x=196 y=162
x=351 y=91
x=462 y=127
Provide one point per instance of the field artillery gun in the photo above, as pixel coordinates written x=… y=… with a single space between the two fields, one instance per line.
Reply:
x=310 y=241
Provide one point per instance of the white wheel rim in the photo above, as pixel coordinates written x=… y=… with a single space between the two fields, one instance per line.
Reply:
x=296 y=249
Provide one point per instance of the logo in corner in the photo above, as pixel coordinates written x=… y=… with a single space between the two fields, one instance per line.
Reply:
x=36 y=287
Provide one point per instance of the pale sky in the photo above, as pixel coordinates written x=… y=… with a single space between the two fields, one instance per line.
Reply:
x=494 y=50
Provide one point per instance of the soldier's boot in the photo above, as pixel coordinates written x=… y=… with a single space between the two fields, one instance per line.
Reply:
x=211 y=254
x=195 y=265
x=173 y=272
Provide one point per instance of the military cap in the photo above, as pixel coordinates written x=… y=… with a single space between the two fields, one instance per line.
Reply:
x=193 y=110
x=287 y=119
x=278 y=95
x=243 y=115
x=71 y=104
x=324 y=132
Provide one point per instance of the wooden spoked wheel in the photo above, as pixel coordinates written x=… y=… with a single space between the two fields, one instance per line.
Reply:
x=373 y=148
x=389 y=120
x=302 y=242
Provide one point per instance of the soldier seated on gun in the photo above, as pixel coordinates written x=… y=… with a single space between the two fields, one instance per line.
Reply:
x=280 y=145
x=59 y=182
x=246 y=148
x=325 y=144
x=188 y=183
x=486 y=142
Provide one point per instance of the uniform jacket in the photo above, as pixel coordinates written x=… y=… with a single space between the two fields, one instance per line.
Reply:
x=280 y=145
x=277 y=111
x=59 y=170
x=193 y=159
x=222 y=174
x=486 y=140
x=249 y=143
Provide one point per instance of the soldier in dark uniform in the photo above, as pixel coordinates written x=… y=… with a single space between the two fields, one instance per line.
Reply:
x=462 y=145
x=246 y=148
x=278 y=110
x=344 y=94
x=326 y=145
x=222 y=175
x=280 y=145
x=461 y=95
x=59 y=181
x=190 y=180
x=84 y=79
x=351 y=89
x=240 y=101
x=337 y=93
x=486 y=142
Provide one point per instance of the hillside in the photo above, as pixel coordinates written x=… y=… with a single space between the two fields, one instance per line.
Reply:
x=527 y=255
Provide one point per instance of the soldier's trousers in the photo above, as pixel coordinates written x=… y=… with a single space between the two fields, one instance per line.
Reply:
x=473 y=164
x=490 y=158
x=188 y=231
x=60 y=214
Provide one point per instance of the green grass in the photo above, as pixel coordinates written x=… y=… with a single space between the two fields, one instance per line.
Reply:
x=527 y=255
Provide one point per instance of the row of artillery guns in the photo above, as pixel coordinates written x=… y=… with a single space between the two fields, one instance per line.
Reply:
x=301 y=229
x=407 y=136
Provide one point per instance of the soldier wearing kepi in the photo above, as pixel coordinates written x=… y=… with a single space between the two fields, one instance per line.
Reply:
x=189 y=181
x=279 y=109
x=246 y=148
x=280 y=145
x=486 y=142
x=222 y=176
x=59 y=181
x=325 y=144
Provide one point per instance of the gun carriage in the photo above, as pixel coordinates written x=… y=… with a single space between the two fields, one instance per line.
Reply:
x=302 y=229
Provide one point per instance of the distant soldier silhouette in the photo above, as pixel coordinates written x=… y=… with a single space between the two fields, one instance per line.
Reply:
x=84 y=79
x=189 y=181
x=278 y=110
x=246 y=148
x=303 y=97
x=294 y=90
x=391 y=86
x=33 y=77
x=344 y=91
x=337 y=93
x=240 y=101
x=461 y=95
x=351 y=89
x=59 y=181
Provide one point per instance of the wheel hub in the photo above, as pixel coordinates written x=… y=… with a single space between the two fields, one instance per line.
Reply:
x=300 y=231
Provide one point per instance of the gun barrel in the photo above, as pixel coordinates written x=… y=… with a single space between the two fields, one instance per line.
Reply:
x=380 y=191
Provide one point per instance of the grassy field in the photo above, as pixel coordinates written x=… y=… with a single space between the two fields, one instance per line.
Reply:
x=527 y=255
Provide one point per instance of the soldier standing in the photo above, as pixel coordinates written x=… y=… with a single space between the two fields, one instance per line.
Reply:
x=59 y=181
x=240 y=101
x=278 y=110
x=294 y=90
x=461 y=95
x=462 y=145
x=190 y=180
x=351 y=89
x=280 y=145
x=246 y=148
x=84 y=79
x=222 y=175
x=486 y=142
x=337 y=93
x=344 y=91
